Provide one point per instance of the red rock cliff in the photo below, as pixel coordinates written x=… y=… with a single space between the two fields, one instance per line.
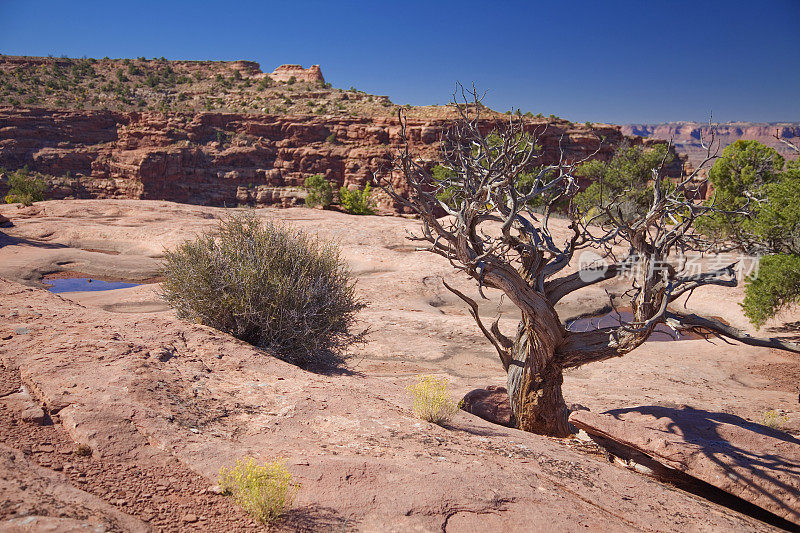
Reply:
x=227 y=159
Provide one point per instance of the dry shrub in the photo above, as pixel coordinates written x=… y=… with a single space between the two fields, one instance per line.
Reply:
x=264 y=492
x=774 y=419
x=431 y=401
x=269 y=285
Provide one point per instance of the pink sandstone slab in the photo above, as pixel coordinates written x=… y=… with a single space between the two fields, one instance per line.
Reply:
x=754 y=462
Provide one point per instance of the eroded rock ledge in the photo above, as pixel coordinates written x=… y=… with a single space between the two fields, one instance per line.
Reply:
x=230 y=159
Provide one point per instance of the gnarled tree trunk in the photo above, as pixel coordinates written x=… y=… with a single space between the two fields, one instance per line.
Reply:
x=534 y=385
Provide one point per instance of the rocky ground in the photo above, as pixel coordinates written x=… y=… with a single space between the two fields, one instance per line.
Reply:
x=160 y=404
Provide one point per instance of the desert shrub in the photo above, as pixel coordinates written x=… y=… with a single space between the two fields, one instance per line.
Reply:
x=431 y=401
x=83 y=450
x=264 y=492
x=320 y=191
x=25 y=188
x=357 y=202
x=270 y=285
x=773 y=419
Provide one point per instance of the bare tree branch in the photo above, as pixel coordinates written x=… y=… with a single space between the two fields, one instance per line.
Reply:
x=499 y=342
x=722 y=329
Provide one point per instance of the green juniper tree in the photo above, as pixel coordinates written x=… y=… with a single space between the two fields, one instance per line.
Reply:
x=775 y=230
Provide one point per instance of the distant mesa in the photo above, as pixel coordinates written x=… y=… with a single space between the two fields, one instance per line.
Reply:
x=687 y=136
x=312 y=74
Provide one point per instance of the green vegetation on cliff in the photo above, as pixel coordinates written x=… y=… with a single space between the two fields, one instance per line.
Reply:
x=162 y=85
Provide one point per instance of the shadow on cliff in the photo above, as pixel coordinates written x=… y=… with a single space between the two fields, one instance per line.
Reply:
x=701 y=428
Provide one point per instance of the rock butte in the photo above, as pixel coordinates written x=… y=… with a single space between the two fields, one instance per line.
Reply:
x=313 y=74
x=160 y=426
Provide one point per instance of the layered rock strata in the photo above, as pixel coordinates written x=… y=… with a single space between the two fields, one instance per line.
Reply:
x=230 y=159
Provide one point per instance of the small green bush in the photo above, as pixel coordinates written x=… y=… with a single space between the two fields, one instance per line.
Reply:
x=25 y=188
x=319 y=190
x=431 y=401
x=269 y=285
x=265 y=492
x=357 y=202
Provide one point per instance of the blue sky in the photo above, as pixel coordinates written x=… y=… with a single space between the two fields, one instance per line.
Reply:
x=600 y=61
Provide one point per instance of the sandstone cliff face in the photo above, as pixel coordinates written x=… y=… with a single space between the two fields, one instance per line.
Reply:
x=312 y=74
x=229 y=159
x=687 y=136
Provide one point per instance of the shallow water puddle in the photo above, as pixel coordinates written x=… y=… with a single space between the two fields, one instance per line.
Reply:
x=614 y=318
x=84 y=284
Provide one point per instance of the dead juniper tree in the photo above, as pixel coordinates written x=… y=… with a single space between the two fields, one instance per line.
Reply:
x=492 y=231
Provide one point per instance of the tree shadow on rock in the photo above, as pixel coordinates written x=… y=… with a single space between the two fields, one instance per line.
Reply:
x=329 y=363
x=790 y=328
x=315 y=518
x=703 y=430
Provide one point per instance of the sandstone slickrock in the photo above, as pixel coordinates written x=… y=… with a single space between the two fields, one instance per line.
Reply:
x=349 y=437
x=754 y=462
x=357 y=452
x=34 y=415
x=43 y=500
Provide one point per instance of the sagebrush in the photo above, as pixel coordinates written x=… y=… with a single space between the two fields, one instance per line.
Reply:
x=267 y=284
x=774 y=419
x=431 y=401
x=264 y=491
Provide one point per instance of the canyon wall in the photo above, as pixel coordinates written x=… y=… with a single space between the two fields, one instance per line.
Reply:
x=230 y=159
x=687 y=136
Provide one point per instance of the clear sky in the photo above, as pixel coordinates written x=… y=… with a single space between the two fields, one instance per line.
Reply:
x=599 y=61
